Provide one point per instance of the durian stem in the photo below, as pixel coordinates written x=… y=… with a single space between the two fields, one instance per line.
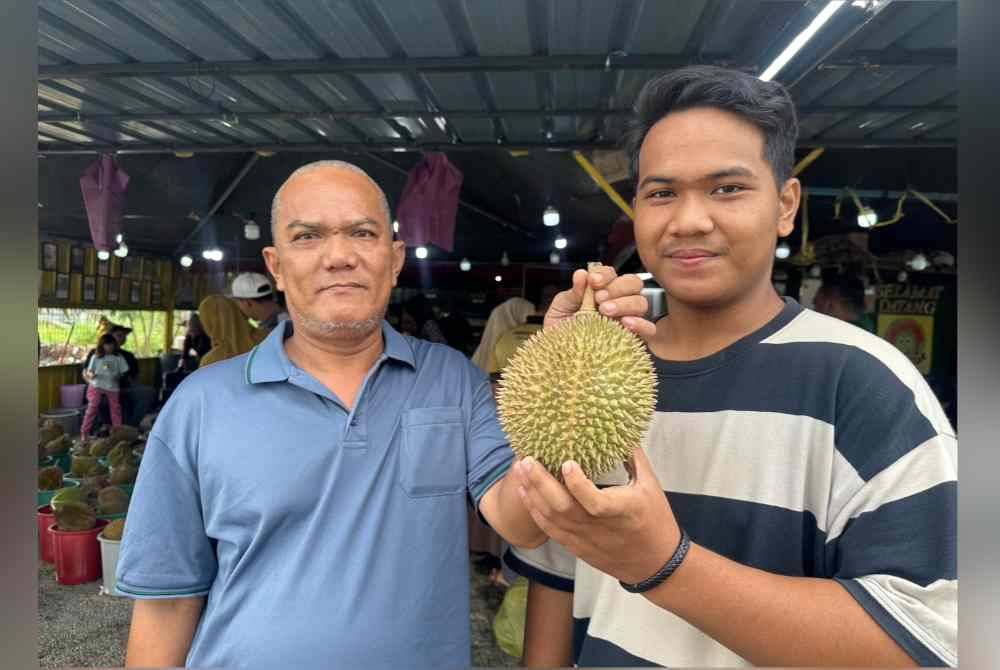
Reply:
x=588 y=293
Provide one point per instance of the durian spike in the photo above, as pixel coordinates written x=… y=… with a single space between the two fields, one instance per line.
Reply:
x=588 y=304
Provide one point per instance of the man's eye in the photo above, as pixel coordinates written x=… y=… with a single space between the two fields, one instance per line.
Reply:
x=362 y=232
x=303 y=236
x=730 y=189
x=659 y=195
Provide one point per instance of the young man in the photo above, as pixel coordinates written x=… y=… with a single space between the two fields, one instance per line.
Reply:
x=253 y=294
x=809 y=472
x=306 y=501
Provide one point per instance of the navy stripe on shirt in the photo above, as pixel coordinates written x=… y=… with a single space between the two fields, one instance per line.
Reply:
x=593 y=651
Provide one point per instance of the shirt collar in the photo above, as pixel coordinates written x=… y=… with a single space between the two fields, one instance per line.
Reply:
x=269 y=362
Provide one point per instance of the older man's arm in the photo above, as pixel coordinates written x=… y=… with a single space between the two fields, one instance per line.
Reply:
x=162 y=631
x=505 y=511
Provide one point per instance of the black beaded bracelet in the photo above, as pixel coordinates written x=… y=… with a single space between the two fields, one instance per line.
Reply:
x=665 y=571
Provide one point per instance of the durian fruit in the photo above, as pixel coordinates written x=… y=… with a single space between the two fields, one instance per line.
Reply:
x=125 y=473
x=583 y=390
x=114 y=530
x=81 y=448
x=122 y=453
x=82 y=466
x=75 y=516
x=58 y=446
x=66 y=495
x=112 y=500
x=49 y=431
x=50 y=478
x=100 y=447
x=123 y=433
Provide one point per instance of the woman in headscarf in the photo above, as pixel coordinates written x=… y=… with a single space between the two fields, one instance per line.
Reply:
x=224 y=323
x=505 y=316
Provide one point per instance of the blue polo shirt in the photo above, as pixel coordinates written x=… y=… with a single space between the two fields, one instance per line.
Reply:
x=318 y=533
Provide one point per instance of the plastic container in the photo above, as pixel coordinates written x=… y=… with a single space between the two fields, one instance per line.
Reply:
x=69 y=418
x=46 y=550
x=77 y=554
x=109 y=563
x=72 y=395
x=64 y=461
x=45 y=497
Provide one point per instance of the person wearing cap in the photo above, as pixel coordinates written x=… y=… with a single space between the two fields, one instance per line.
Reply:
x=255 y=297
x=137 y=399
x=306 y=500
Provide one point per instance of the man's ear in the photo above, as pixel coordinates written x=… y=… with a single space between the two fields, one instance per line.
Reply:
x=273 y=262
x=788 y=205
x=398 y=259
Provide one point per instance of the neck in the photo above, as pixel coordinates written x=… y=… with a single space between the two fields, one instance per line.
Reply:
x=342 y=354
x=690 y=332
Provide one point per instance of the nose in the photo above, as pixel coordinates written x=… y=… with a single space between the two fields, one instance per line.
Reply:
x=339 y=253
x=689 y=217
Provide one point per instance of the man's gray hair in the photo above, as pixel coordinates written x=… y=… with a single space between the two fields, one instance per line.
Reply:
x=317 y=165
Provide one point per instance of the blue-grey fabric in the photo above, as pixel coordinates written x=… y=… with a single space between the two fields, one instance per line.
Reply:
x=319 y=534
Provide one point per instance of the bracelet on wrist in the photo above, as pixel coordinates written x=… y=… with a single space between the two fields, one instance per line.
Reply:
x=663 y=573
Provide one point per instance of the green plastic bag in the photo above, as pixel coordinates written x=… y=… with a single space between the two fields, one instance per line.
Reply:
x=508 y=625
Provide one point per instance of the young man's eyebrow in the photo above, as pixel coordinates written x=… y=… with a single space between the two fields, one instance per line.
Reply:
x=666 y=180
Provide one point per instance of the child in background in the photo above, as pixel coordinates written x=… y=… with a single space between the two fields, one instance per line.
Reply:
x=103 y=375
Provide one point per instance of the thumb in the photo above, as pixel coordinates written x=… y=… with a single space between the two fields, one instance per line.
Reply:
x=568 y=302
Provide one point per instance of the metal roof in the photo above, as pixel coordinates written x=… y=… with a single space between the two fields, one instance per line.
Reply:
x=475 y=78
x=192 y=74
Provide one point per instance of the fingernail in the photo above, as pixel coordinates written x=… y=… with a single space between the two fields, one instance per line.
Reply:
x=526 y=464
x=594 y=276
x=567 y=467
x=609 y=307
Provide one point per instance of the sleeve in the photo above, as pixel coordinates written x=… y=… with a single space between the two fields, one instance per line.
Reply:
x=489 y=455
x=550 y=564
x=891 y=531
x=165 y=551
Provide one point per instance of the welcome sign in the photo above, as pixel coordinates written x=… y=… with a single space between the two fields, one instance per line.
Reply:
x=906 y=320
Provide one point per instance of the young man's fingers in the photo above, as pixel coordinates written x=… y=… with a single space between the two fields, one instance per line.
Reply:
x=548 y=494
x=629 y=284
x=584 y=491
x=644 y=328
x=632 y=305
x=601 y=277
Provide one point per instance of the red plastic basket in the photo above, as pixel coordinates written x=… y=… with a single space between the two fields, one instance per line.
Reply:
x=77 y=554
x=46 y=550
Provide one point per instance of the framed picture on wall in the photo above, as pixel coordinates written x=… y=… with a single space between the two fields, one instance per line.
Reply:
x=76 y=258
x=50 y=256
x=89 y=288
x=62 y=286
x=134 y=293
x=114 y=286
x=103 y=267
x=102 y=289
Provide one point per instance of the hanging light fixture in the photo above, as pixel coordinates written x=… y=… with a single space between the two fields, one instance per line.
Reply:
x=498 y=279
x=122 y=250
x=465 y=265
x=103 y=255
x=902 y=276
x=918 y=262
x=782 y=251
x=560 y=243
x=554 y=258
x=395 y=226
x=119 y=238
x=550 y=217
x=421 y=252
x=251 y=230
x=867 y=217
x=186 y=261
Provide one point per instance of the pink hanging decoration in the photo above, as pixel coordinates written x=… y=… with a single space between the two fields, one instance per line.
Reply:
x=429 y=203
x=103 y=185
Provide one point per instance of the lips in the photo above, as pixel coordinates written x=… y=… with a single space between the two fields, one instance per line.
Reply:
x=690 y=254
x=340 y=286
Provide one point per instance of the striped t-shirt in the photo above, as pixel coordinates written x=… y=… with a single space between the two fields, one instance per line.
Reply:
x=808 y=448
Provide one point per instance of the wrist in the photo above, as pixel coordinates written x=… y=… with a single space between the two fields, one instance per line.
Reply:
x=666 y=569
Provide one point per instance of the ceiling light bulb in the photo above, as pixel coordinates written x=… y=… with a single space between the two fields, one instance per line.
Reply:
x=395 y=226
x=919 y=262
x=103 y=255
x=207 y=254
x=550 y=217
x=560 y=243
x=554 y=258
x=465 y=265
x=186 y=261
x=421 y=252
x=251 y=230
x=122 y=250
x=902 y=276
x=505 y=260
x=119 y=238
x=498 y=278
x=782 y=251
x=867 y=217
x=800 y=40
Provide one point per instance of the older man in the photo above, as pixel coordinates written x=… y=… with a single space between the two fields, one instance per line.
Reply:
x=306 y=502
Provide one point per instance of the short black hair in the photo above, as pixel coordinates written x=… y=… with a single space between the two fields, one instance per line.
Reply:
x=849 y=287
x=766 y=104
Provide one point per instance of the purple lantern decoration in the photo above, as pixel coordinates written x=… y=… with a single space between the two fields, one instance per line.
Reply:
x=103 y=185
x=429 y=203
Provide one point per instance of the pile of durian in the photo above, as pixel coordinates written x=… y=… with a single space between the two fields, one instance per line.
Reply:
x=79 y=508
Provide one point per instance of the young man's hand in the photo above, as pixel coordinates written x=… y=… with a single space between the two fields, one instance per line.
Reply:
x=628 y=531
x=616 y=297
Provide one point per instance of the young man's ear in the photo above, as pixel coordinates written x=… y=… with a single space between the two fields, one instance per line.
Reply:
x=273 y=262
x=788 y=205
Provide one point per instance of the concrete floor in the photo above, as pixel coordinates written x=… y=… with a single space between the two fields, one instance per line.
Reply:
x=79 y=627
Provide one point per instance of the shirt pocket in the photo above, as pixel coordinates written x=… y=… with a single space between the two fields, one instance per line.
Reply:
x=432 y=453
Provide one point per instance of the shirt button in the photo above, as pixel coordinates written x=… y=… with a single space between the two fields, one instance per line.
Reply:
x=354 y=422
